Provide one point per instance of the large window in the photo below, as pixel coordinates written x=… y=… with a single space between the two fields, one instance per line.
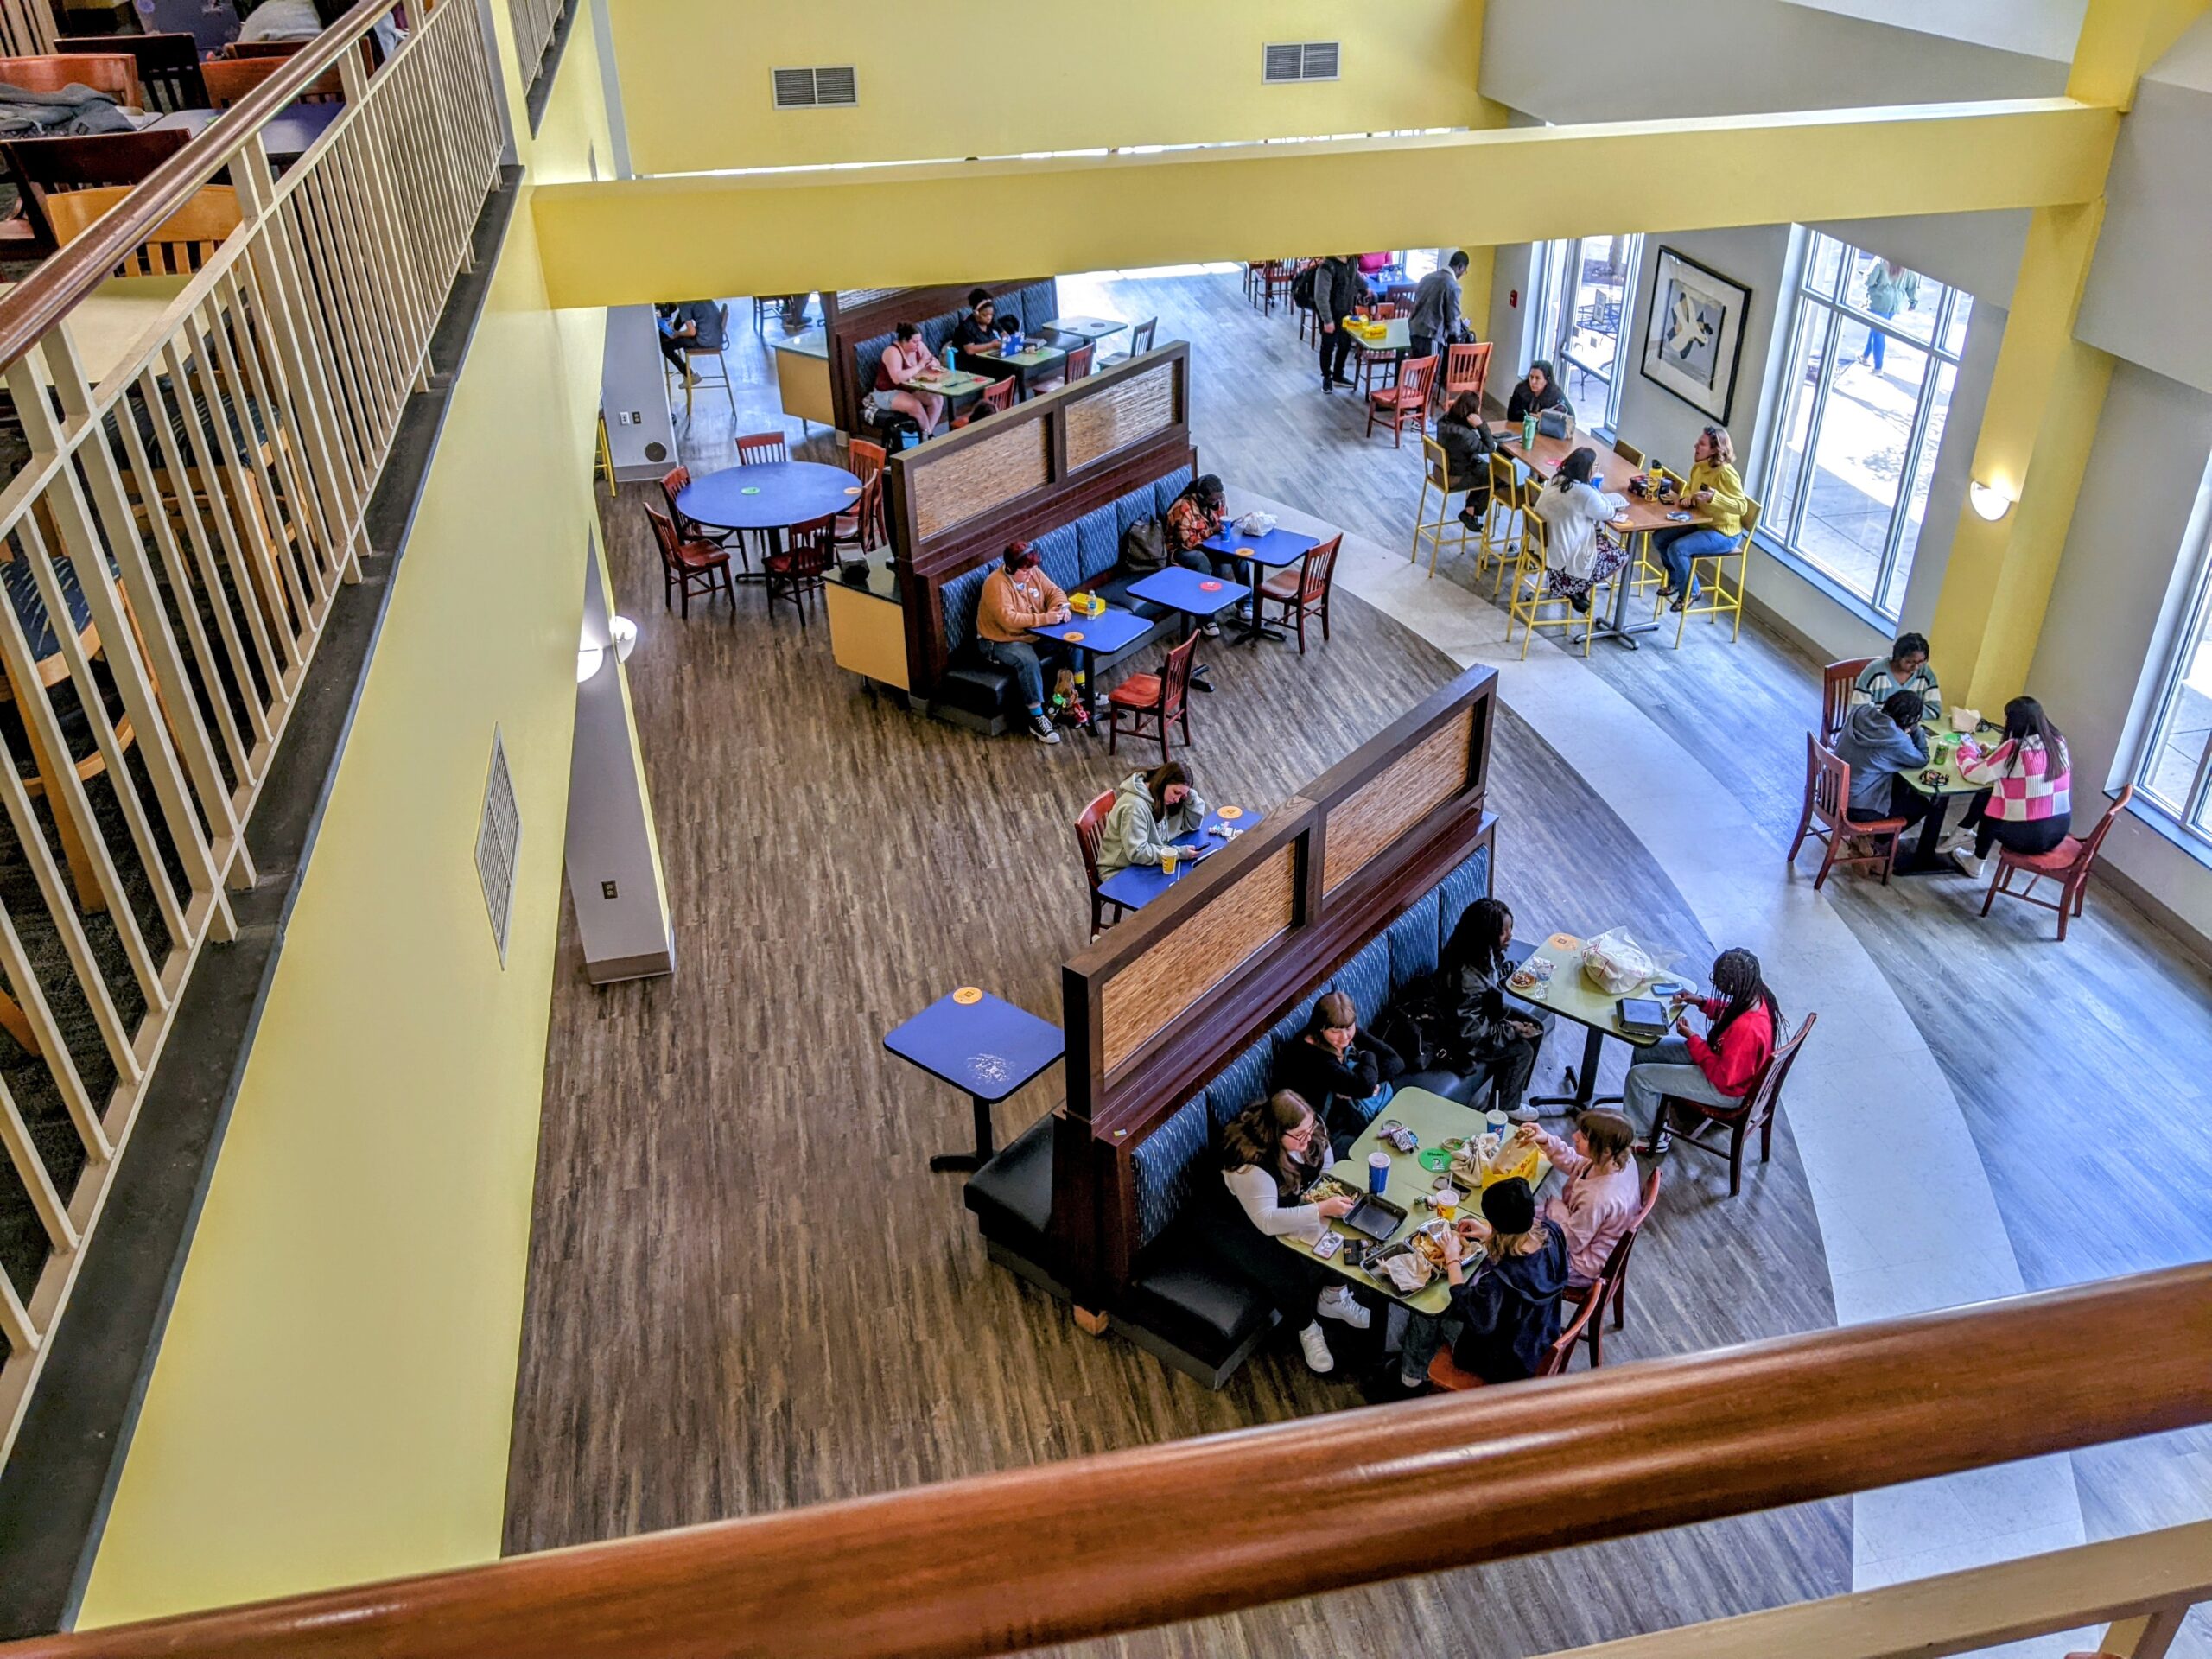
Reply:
x=1873 y=359
x=2174 y=771
x=1586 y=285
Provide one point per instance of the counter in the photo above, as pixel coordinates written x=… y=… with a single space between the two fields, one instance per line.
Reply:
x=803 y=376
x=867 y=625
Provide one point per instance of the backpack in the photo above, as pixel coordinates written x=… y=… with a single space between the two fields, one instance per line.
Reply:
x=1302 y=288
x=1144 y=546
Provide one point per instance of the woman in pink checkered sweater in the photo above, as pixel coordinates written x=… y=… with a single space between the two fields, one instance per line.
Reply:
x=2027 y=806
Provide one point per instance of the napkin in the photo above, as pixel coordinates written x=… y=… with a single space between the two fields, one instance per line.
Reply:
x=1409 y=1272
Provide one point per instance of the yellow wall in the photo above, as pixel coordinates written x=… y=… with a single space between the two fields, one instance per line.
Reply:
x=333 y=1398
x=695 y=75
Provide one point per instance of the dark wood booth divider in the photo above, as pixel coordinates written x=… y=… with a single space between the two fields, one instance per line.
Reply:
x=860 y=314
x=956 y=501
x=1163 y=1001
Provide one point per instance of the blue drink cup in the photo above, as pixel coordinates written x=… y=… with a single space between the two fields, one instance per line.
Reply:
x=1378 y=1172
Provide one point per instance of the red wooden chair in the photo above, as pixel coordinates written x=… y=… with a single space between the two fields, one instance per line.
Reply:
x=800 y=569
x=2069 y=864
x=1306 y=592
x=1146 y=700
x=1444 y=1371
x=1612 y=1284
x=1275 y=279
x=1090 y=825
x=673 y=483
x=1077 y=368
x=1837 y=680
x=689 y=566
x=864 y=527
x=759 y=449
x=1704 y=1125
x=1466 y=368
x=994 y=399
x=1828 y=800
x=1405 y=403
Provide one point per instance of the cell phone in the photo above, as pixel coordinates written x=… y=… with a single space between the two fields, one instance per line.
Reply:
x=1329 y=1244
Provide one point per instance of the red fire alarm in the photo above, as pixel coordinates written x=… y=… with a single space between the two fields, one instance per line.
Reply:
x=1513 y=299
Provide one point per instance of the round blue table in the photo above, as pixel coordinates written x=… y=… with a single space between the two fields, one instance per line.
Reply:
x=774 y=495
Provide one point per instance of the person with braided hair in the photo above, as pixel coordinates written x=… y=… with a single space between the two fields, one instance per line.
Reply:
x=1743 y=1023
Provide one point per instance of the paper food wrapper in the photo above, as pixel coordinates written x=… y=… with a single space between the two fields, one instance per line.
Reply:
x=1408 y=1272
x=1522 y=1164
x=1965 y=720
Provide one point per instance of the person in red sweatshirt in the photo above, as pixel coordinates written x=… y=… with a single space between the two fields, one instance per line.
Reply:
x=1742 y=1023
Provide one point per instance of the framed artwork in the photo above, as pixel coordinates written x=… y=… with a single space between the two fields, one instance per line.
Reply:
x=1694 y=335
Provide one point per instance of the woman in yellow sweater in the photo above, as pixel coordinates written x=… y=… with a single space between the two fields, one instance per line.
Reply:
x=1715 y=486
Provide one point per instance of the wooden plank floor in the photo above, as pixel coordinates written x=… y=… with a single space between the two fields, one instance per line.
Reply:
x=746 y=1294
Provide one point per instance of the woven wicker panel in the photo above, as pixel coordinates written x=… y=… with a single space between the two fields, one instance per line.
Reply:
x=1158 y=987
x=958 y=484
x=1120 y=415
x=851 y=299
x=1397 y=798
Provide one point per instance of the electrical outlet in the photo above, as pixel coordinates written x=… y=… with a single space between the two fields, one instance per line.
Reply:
x=607 y=889
x=636 y=418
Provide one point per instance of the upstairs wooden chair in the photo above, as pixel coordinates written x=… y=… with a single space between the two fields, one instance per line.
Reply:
x=994 y=399
x=2069 y=864
x=865 y=526
x=1444 y=1371
x=762 y=448
x=230 y=79
x=110 y=72
x=179 y=244
x=1828 y=801
x=1720 y=1131
x=1610 y=1286
x=1720 y=597
x=1406 y=402
x=1304 y=592
x=1837 y=681
x=673 y=483
x=167 y=65
x=1466 y=368
x=42 y=167
x=1075 y=367
x=1090 y=825
x=799 y=570
x=1447 y=527
x=1401 y=297
x=1141 y=339
x=1150 y=703
x=689 y=567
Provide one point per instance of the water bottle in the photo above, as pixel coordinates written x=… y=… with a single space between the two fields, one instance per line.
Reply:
x=1529 y=431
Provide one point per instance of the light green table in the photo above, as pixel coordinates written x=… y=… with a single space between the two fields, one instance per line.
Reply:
x=1397 y=335
x=1572 y=997
x=1436 y=1120
x=1987 y=738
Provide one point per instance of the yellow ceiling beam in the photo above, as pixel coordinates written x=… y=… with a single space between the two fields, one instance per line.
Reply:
x=620 y=241
x=2121 y=39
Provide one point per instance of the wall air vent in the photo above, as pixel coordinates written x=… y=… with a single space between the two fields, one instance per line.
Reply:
x=1300 y=60
x=498 y=844
x=815 y=89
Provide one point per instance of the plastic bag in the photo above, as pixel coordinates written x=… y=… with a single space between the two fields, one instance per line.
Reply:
x=1255 y=524
x=1616 y=963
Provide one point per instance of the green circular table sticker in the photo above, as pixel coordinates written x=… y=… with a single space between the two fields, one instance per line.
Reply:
x=750 y=489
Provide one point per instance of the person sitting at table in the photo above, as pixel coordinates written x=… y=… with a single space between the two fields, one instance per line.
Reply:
x=1602 y=1193
x=973 y=329
x=1468 y=446
x=1504 y=1319
x=1904 y=669
x=1342 y=1072
x=905 y=361
x=1744 y=1022
x=694 y=324
x=2027 y=805
x=1150 y=810
x=1716 y=489
x=1579 y=548
x=1194 y=518
x=1271 y=1152
x=1491 y=1037
x=1880 y=746
x=1008 y=327
x=1017 y=597
x=1537 y=394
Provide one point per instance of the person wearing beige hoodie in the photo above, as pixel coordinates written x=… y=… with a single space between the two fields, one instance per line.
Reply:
x=1017 y=597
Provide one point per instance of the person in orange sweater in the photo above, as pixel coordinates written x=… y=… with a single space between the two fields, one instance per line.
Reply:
x=1017 y=597
x=1744 y=1024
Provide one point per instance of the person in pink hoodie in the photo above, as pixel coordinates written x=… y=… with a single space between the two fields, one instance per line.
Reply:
x=1602 y=1190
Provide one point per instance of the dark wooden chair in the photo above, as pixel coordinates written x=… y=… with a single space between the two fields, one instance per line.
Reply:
x=42 y=167
x=1141 y=339
x=168 y=66
x=689 y=567
x=1828 y=801
x=1405 y=403
x=1077 y=366
x=1722 y=1130
x=2069 y=864
x=230 y=79
x=1610 y=1284
x=107 y=71
x=1837 y=680
x=1444 y=1371
x=798 y=569
x=1304 y=592
x=1150 y=703
x=994 y=399
x=1090 y=825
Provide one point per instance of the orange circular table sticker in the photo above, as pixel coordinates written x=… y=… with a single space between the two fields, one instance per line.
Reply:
x=1230 y=814
x=1073 y=633
x=1243 y=552
x=967 y=996
x=1209 y=586
x=855 y=489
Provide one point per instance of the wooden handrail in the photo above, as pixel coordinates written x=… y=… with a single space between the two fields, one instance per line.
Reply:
x=1142 y=1537
x=43 y=299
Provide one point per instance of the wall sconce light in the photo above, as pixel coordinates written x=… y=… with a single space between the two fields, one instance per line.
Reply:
x=588 y=658
x=1988 y=501
x=622 y=638
x=624 y=634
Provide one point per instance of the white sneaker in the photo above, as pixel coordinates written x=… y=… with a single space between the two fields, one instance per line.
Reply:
x=1043 y=730
x=1341 y=1303
x=1319 y=1359
x=1966 y=862
x=1524 y=1114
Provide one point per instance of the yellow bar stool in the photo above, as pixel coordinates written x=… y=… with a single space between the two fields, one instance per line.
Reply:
x=1720 y=598
x=1508 y=507
x=1446 y=528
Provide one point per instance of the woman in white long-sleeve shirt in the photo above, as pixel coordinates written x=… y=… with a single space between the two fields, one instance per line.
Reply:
x=1579 y=549
x=1271 y=1151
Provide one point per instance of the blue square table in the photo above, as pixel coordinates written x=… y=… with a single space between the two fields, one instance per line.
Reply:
x=988 y=1047
x=1090 y=636
x=1194 y=592
x=1139 y=885
x=1276 y=550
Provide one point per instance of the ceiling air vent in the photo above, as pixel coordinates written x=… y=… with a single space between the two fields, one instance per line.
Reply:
x=498 y=841
x=816 y=89
x=1301 y=61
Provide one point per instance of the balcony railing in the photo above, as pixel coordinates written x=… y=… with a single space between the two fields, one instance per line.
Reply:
x=1096 y=1545
x=202 y=447
x=535 y=21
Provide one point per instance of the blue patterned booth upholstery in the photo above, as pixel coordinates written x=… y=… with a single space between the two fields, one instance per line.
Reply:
x=975 y=693
x=1036 y=305
x=1183 y=1303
